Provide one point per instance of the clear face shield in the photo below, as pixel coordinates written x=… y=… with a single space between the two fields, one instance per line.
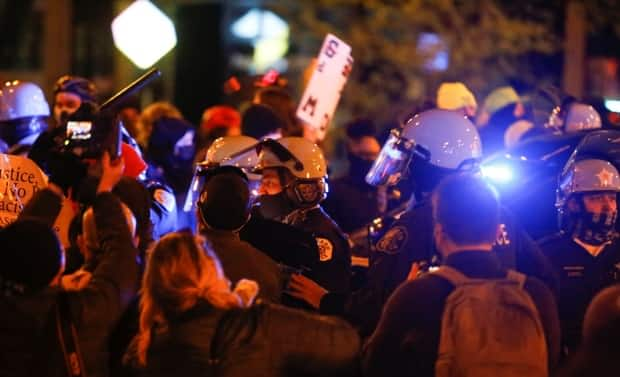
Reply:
x=392 y=162
x=245 y=160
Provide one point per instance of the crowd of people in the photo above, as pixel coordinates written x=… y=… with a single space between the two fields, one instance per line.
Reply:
x=226 y=249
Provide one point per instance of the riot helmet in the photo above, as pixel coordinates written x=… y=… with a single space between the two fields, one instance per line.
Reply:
x=442 y=139
x=572 y=117
x=301 y=168
x=23 y=113
x=581 y=182
x=237 y=151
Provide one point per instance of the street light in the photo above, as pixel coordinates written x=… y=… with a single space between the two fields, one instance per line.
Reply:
x=143 y=33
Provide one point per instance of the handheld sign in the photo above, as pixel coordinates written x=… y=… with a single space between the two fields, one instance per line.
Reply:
x=322 y=94
x=20 y=179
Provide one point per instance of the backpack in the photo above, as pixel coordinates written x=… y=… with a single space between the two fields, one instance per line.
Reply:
x=490 y=327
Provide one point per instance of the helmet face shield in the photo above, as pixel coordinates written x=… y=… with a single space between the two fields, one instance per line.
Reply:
x=392 y=162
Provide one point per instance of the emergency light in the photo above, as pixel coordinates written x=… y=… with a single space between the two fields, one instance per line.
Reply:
x=497 y=173
x=143 y=33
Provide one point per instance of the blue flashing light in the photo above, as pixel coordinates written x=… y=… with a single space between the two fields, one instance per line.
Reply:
x=498 y=173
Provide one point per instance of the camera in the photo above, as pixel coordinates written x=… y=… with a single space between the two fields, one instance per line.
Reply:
x=89 y=132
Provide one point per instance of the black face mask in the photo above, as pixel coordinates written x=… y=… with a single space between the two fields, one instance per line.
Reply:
x=358 y=167
x=274 y=207
x=594 y=229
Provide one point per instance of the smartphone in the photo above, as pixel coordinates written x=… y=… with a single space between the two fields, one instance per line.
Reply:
x=81 y=130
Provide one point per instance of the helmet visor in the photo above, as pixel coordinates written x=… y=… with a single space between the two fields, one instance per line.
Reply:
x=392 y=162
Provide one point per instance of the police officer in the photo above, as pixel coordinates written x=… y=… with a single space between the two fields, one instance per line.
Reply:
x=586 y=252
x=292 y=187
x=287 y=245
x=573 y=117
x=23 y=115
x=431 y=145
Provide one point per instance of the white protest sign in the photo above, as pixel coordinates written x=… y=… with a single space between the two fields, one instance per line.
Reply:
x=319 y=101
x=20 y=179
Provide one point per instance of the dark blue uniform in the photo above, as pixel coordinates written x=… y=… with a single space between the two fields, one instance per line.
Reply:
x=410 y=240
x=333 y=267
x=581 y=277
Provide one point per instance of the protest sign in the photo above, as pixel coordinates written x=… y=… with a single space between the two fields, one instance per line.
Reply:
x=20 y=179
x=319 y=101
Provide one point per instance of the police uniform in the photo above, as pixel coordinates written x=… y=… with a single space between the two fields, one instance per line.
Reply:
x=333 y=267
x=410 y=239
x=581 y=277
x=285 y=244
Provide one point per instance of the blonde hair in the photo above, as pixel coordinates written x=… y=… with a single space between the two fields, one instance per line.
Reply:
x=181 y=270
x=150 y=115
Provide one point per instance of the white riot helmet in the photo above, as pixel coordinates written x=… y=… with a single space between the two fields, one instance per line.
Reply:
x=585 y=176
x=23 y=110
x=20 y=99
x=443 y=138
x=582 y=177
x=236 y=151
x=305 y=162
x=574 y=117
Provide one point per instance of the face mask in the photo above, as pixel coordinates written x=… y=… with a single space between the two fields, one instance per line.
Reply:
x=594 y=229
x=274 y=207
x=358 y=167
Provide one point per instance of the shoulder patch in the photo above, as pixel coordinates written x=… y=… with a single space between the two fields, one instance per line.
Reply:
x=393 y=240
x=326 y=249
x=165 y=198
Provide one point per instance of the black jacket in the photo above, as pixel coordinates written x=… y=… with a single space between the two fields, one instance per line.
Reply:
x=409 y=240
x=406 y=340
x=28 y=340
x=581 y=277
x=332 y=269
x=265 y=340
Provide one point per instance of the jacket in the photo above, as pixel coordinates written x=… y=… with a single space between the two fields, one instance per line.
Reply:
x=581 y=277
x=406 y=340
x=29 y=344
x=240 y=260
x=264 y=340
x=409 y=240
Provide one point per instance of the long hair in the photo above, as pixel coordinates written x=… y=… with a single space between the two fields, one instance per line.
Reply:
x=181 y=270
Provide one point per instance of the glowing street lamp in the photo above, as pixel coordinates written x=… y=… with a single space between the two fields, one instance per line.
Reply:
x=143 y=33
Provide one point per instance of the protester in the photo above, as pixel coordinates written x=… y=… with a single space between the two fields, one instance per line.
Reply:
x=30 y=287
x=90 y=248
x=224 y=208
x=150 y=115
x=187 y=304
x=261 y=122
x=438 y=324
x=216 y=122
x=457 y=97
x=283 y=105
x=600 y=348
x=70 y=92
x=352 y=202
